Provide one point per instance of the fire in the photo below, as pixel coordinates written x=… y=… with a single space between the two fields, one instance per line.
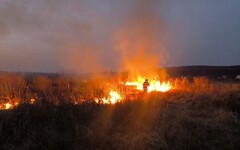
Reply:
x=6 y=103
x=113 y=98
x=117 y=95
x=32 y=101
x=8 y=106
x=155 y=85
x=161 y=87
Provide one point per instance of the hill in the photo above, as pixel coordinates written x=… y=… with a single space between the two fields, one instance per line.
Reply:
x=212 y=72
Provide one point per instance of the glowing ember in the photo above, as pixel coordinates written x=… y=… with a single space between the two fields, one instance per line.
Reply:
x=155 y=85
x=32 y=101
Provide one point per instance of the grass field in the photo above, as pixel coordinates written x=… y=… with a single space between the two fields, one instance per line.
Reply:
x=53 y=111
x=173 y=120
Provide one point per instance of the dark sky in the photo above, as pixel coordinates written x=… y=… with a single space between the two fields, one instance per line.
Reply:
x=90 y=35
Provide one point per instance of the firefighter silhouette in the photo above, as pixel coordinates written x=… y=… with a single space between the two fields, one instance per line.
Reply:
x=145 y=86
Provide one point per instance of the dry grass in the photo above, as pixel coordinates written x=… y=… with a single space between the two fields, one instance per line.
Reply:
x=174 y=120
x=197 y=114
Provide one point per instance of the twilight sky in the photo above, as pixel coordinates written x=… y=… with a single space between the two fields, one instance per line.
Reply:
x=91 y=35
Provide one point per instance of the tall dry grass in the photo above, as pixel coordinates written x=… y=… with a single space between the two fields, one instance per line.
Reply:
x=173 y=120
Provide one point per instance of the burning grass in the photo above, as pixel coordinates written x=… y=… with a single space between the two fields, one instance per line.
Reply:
x=155 y=84
x=119 y=92
x=172 y=120
x=107 y=113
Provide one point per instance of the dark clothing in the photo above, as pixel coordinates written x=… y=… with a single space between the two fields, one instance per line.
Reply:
x=145 y=86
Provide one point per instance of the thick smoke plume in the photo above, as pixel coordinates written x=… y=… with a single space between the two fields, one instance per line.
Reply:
x=141 y=40
x=80 y=36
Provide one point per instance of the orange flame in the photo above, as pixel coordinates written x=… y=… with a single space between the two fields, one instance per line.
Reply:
x=7 y=103
x=32 y=101
x=155 y=85
x=8 y=106
x=113 y=98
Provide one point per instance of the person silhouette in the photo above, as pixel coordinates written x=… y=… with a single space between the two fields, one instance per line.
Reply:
x=145 y=86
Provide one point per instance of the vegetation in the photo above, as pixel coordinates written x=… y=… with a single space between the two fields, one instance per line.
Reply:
x=197 y=114
x=175 y=120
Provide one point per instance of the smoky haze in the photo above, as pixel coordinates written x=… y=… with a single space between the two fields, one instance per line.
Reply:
x=140 y=39
x=97 y=35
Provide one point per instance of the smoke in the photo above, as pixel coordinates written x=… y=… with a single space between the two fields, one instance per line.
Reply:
x=128 y=35
x=80 y=36
x=141 y=39
x=80 y=58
